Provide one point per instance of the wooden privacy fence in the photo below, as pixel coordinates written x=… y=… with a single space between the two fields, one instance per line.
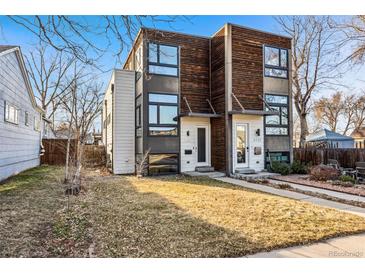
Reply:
x=55 y=153
x=347 y=157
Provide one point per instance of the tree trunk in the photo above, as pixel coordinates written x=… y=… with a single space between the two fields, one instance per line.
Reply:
x=303 y=129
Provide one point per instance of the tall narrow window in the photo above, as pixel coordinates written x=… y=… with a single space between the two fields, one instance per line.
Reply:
x=163 y=59
x=162 y=114
x=276 y=62
x=277 y=124
x=26 y=118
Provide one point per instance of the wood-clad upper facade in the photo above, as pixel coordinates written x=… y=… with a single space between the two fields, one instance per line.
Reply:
x=217 y=81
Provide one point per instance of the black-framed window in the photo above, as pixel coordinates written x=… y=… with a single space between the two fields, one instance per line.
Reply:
x=162 y=114
x=277 y=124
x=281 y=156
x=163 y=59
x=276 y=62
x=160 y=164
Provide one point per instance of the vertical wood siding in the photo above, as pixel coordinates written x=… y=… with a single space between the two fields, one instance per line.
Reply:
x=247 y=64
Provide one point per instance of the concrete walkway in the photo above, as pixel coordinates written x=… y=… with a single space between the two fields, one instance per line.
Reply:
x=343 y=247
x=341 y=195
x=297 y=196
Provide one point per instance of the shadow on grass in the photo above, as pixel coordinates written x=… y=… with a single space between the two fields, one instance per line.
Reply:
x=129 y=223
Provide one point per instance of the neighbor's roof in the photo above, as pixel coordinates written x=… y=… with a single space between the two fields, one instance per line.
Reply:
x=327 y=135
x=358 y=133
x=6 y=49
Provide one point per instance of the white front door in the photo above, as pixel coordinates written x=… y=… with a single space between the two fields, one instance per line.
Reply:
x=240 y=145
x=202 y=145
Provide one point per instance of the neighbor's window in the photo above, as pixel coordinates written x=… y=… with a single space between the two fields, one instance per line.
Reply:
x=277 y=124
x=36 y=124
x=26 y=118
x=11 y=113
x=138 y=116
x=162 y=114
x=163 y=59
x=159 y=164
x=276 y=62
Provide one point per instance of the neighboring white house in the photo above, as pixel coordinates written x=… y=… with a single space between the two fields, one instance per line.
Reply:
x=20 y=117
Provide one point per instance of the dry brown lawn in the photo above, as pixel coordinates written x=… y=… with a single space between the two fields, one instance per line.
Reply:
x=121 y=216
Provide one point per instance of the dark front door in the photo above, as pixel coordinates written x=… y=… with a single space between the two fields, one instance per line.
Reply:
x=202 y=146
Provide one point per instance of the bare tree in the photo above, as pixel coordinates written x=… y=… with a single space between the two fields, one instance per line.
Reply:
x=83 y=105
x=313 y=62
x=353 y=31
x=75 y=35
x=328 y=110
x=48 y=76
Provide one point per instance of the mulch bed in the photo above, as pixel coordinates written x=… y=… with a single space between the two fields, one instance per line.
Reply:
x=304 y=180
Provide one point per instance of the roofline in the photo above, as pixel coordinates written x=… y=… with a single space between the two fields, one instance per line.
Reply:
x=23 y=69
x=262 y=31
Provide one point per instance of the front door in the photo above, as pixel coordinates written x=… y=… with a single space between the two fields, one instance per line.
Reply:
x=240 y=146
x=202 y=145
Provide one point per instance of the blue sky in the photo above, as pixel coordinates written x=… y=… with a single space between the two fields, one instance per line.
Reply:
x=11 y=33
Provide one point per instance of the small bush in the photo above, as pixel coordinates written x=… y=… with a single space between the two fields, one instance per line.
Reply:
x=347 y=178
x=323 y=173
x=284 y=186
x=298 y=168
x=282 y=168
x=342 y=183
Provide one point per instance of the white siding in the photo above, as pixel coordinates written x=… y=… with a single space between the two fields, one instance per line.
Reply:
x=124 y=122
x=108 y=131
x=19 y=144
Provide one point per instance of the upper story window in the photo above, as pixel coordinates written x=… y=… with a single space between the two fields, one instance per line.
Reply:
x=162 y=114
x=276 y=62
x=11 y=113
x=277 y=124
x=163 y=59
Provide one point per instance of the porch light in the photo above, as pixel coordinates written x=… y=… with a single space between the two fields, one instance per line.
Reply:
x=258 y=132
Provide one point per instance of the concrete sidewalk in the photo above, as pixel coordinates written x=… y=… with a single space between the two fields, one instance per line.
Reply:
x=295 y=195
x=343 y=247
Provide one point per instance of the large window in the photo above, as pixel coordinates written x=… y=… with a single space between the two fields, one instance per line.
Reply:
x=276 y=62
x=162 y=114
x=163 y=59
x=162 y=164
x=277 y=124
x=11 y=113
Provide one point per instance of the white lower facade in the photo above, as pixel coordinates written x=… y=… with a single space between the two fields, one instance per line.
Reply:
x=195 y=143
x=248 y=142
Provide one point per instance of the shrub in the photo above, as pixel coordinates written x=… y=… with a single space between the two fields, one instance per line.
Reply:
x=298 y=168
x=347 y=178
x=323 y=173
x=342 y=183
x=282 y=168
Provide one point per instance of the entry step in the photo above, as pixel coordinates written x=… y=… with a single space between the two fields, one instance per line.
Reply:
x=204 y=169
x=245 y=171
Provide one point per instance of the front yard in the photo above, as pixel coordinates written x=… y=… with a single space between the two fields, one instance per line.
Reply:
x=121 y=216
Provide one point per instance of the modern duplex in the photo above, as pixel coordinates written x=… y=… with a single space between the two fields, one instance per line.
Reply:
x=200 y=103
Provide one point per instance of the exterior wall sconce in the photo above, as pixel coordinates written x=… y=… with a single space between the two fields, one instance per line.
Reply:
x=258 y=132
x=188 y=133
